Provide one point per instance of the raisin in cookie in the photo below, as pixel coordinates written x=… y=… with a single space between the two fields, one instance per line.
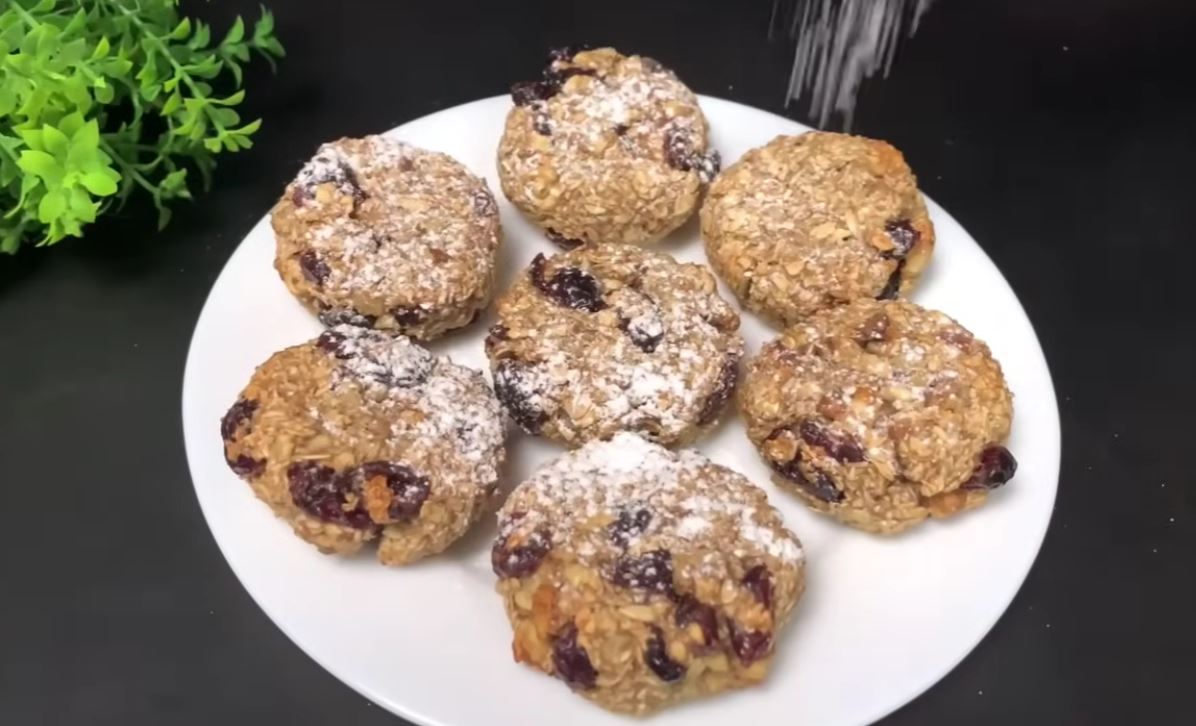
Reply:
x=606 y=148
x=611 y=338
x=376 y=232
x=643 y=577
x=812 y=221
x=360 y=435
x=881 y=414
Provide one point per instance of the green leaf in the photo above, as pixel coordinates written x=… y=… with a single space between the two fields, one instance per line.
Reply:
x=235 y=33
x=101 y=49
x=73 y=124
x=172 y=104
x=250 y=127
x=54 y=141
x=52 y=206
x=42 y=165
x=81 y=205
x=98 y=183
x=182 y=30
x=232 y=100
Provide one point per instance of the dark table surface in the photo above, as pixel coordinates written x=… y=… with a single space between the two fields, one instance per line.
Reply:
x=1060 y=134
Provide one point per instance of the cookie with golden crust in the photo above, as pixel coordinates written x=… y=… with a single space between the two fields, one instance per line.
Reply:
x=379 y=233
x=605 y=148
x=644 y=577
x=881 y=414
x=360 y=435
x=611 y=338
x=817 y=220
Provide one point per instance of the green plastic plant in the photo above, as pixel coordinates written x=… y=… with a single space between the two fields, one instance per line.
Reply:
x=99 y=98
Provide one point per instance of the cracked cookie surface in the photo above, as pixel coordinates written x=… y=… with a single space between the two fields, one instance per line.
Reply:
x=643 y=577
x=361 y=435
x=880 y=414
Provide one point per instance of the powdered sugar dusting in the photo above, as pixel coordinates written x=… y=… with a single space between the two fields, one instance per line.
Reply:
x=429 y=400
x=694 y=504
x=419 y=223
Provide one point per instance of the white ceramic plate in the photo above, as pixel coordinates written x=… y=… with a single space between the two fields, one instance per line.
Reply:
x=882 y=619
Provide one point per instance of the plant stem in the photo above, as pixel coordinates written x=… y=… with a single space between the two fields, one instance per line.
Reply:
x=164 y=52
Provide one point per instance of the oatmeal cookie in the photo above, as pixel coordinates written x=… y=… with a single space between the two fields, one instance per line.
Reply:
x=881 y=414
x=613 y=338
x=643 y=577
x=606 y=148
x=378 y=233
x=812 y=221
x=360 y=435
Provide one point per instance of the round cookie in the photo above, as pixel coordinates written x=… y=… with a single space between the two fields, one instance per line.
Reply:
x=610 y=338
x=606 y=148
x=378 y=233
x=881 y=414
x=812 y=221
x=643 y=577
x=358 y=435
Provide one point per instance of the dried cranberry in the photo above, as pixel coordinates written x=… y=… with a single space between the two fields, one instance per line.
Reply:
x=893 y=286
x=484 y=204
x=650 y=571
x=345 y=316
x=680 y=154
x=678 y=149
x=571 y=661
x=497 y=333
x=522 y=559
x=841 y=447
x=645 y=333
x=750 y=645
x=630 y=523
x=407 y=316
x=314 y=268
x=558 y=76
x=332 y=342
x=525 y=93
x=904 y=238
x=822 y=487
x=322 y=492
x=874 y=329
x=514 y=390
x=325 y=168
x=410 y=490
x=657 y=658
x=996 y=466
x=245 y=465
x=568 y=287
x=723 y=388
x=238 y=413
x=758 y=581
x=691 y=610
x=560 y=240
x=565 y=53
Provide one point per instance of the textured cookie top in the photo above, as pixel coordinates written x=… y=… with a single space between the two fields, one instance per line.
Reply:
x=612 y=337
x=905 y=392
x=608 y=147
x=816 y=220
x=355 y=405
x=681 y=516
x=386 y=228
